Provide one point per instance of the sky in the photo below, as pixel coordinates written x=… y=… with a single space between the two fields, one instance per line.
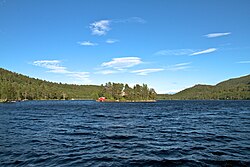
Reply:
x=168 y=44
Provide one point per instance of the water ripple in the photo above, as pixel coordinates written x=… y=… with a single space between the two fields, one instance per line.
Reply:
x=86 y=133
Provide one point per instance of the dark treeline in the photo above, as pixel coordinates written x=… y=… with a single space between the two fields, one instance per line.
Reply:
x=15 y=86
x=119 y=91
x=233 y=89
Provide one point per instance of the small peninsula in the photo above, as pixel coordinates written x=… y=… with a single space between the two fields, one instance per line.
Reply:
x=118 y=92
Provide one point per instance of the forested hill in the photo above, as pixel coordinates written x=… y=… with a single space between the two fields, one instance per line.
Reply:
x=232 y=89
x=15 y=86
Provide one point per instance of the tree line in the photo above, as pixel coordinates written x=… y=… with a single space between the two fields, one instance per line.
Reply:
x=233 y=89
x=120 y=91
x=15 y=86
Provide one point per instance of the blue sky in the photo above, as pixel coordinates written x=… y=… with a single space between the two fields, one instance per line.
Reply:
x=168 y=44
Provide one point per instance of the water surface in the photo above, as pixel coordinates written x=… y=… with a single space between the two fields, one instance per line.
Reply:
x=87 y=133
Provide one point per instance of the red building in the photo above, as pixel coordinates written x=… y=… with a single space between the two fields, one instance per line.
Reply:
x=101 y=99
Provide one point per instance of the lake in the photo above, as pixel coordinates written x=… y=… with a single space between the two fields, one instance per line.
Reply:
x=88 y=133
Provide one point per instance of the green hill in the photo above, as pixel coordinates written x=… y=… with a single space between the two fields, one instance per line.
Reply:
x=232 y=89
x=15 y=86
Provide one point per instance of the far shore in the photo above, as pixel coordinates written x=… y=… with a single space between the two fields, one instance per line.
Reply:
x=117 y=101
x=127 y=101
x=13 y=101
x=106 y=101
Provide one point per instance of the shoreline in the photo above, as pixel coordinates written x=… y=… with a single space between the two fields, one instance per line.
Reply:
x=15 y=101
x=127 y=101
x=123 y=101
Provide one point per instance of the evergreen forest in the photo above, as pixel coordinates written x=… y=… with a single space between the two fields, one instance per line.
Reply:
x=14 y=86
x=232 y=89
x=121 y=92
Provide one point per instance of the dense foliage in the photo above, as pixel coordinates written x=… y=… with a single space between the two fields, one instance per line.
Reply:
x=119 y=91
x=233 y=89
x=15 y=86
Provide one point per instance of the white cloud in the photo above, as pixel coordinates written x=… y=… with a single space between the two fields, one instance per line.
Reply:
x=81 y=76
x=107 y=72
x=180 y=52
x=175 y=52
x=178 y=67
x=110 y=41
x=52 y=65
x=244 y=62
x=87 y=43
x=55 y=67
x=130 y=20
x=213 y=35
x=182 y=64
x=137 y=20
x=46 y=62
x=121 y=63
x=147 y=71
x=204 y=51
x=100 y=27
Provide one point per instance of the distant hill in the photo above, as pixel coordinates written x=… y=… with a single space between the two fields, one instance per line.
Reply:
x=232 y=89
x=14 y=86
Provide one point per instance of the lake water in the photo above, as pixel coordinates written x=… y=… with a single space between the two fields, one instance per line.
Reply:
x=88 y=133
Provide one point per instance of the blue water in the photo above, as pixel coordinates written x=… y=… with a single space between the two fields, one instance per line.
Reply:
x=87 y=133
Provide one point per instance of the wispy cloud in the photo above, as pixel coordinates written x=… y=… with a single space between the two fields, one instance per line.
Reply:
x=122 y=63
x=87 y=43
x=55 y=67
x=180 y=66
x=176 y=67
x=107 y=72
x=147 y=71
x=180 y=52
x=244 y=62
x=214 y=35
x=81 y=76
x=52 y=65
x=204 y=51
x=130 y=20
x=111 y=41
x=174 y=52
x=100 y=27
